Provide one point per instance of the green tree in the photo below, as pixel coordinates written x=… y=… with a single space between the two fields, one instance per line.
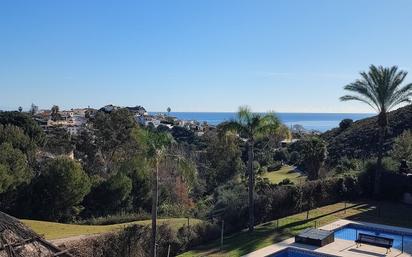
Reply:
x=313 y=155
x=402 y=147
x=252 y=126
x=60 y=189
x=20 y=109
x=168 y=110
x=26 y=123
x=16 y=137
x=380 y=88
x=221 y=159
x=113 y=133
x=14 y=169
x=86 y=150
x=109 y=196
x=138 y=171
x=58 y=141
x=120 y=185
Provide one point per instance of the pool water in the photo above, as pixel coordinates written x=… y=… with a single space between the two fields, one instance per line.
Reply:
x=351 y=231
x=293 y=252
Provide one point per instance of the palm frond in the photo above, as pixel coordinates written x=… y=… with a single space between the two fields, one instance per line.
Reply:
x=380 y=88
x=357 y=98
x=371 y=86
x=269 y=124
x=244 y=115
x=405 y=99
x=233 y=126
x=401 y=95
x=361 y=87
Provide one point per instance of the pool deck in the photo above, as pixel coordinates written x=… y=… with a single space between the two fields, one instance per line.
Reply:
x=340 y=247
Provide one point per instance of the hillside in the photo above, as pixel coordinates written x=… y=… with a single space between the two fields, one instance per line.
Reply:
x=360 y=139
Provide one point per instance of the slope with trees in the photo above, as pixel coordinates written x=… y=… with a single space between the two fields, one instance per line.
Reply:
x=381 y=88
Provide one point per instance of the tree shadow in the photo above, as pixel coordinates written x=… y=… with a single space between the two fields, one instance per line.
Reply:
x=268 y=233
x=366 y=252
x=386 y=213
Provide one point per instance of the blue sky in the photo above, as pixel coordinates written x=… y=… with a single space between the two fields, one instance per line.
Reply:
x=197 y=55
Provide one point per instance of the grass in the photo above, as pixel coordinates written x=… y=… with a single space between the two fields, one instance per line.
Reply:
x=269 y=233
x=53 y=230
x=285 y=172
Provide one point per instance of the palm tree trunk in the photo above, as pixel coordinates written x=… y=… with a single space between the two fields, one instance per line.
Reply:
x=155 y=196
x=251 y=183
x=383 y=123
x=379 y=168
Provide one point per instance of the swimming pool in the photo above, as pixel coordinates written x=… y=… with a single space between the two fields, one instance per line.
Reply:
x=400 y=240
x=294 y=252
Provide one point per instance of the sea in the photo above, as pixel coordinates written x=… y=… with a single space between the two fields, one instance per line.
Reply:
x=310 y=121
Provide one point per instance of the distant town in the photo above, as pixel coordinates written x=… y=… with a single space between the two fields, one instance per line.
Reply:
x=74 y=120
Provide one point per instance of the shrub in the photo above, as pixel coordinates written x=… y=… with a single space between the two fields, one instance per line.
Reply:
x=278 y=201
x=205 y=232
x=231 y=205
x=345 y=164
x=346 y=123
x=197 y=234
x=402 y=147
x=294 y=158
x=281 y=155
x=285 y=182
x=134 y=241
x=118 y=218
x=173 y=210
x=274 y=167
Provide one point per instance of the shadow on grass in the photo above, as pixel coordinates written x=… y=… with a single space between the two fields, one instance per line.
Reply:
x=386 y=213
x=244 y=242
x=310 y=220
x=265 y=234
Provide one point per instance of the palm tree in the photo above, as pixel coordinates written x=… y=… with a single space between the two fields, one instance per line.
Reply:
x=381 y=89
x=313 y=155
x=158 y=150
x=251 y=126
x=55 y=112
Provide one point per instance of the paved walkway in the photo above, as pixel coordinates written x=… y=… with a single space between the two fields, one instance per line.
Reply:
x=340 y=247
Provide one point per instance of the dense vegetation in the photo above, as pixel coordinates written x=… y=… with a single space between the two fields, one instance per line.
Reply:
x=113 y=168
x=358 y=139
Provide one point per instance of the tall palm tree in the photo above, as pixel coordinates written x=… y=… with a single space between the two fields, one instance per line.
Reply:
x=157 y=146
x=250 y=126
x=381 y=88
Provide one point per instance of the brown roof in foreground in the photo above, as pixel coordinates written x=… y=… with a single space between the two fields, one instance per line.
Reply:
x=17 y=240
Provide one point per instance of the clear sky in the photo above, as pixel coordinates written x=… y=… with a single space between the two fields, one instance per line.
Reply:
x=197 y=55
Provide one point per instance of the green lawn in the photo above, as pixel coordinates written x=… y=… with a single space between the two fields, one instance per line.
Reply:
x=285 y=172
x=53 y=230
x=266 y=234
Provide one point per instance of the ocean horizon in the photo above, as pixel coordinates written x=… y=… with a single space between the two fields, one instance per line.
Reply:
x=310 y=121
